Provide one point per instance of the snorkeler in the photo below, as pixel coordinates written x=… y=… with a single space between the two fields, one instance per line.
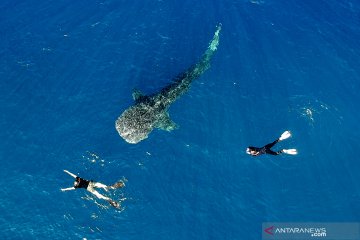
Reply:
x=91 y=185
x=255 y=151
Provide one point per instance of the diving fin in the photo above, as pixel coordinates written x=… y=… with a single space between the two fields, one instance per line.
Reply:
x=290 y=151
x=285 y=135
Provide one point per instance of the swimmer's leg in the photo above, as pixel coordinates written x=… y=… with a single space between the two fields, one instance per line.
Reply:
x=270 y=145
x=119 y=184
x=273 y=153
x=100 y=185
x=99 y=195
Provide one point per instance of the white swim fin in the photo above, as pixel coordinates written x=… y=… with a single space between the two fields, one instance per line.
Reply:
x=285 y=135
x=290 y=151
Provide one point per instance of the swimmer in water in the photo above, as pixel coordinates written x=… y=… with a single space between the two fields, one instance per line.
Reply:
x=255 y=151
x=91 y=185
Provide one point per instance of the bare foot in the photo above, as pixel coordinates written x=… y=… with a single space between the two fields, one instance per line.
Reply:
x=114 y=204
x=118 y=185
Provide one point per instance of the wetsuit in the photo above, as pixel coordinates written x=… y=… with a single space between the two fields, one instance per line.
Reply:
x=267 y=149
x=82 y=183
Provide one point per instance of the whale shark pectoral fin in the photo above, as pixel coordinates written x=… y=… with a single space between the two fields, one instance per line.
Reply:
x=137 y=95
x=165 y=123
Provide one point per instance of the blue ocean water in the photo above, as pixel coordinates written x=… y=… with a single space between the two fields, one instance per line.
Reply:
x=67 y=71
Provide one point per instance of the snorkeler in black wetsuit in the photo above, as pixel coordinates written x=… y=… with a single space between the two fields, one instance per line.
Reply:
x=90 y=185
x=255 y=151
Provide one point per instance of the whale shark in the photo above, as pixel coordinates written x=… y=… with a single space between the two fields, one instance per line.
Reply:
x=151 y=111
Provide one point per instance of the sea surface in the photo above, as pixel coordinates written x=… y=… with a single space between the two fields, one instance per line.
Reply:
x=68 y=69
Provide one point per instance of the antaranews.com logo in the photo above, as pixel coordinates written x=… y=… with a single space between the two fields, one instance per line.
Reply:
x=310 y=232
x=336 y=231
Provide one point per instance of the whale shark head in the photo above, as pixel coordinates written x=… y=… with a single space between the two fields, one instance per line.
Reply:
x=135 y=123
x=138 y=121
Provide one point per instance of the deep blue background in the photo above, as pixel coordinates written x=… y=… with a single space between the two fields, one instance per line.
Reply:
x=67 y=70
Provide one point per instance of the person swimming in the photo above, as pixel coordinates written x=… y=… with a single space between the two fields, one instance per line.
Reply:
x=255 y=151
x=91 y=185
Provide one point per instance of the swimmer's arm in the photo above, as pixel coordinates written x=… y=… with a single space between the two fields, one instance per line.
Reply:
x=71 y=174
x=67 y=189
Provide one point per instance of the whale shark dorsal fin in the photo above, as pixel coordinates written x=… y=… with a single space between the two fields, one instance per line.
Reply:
x=165 y=122
x=137 y=95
